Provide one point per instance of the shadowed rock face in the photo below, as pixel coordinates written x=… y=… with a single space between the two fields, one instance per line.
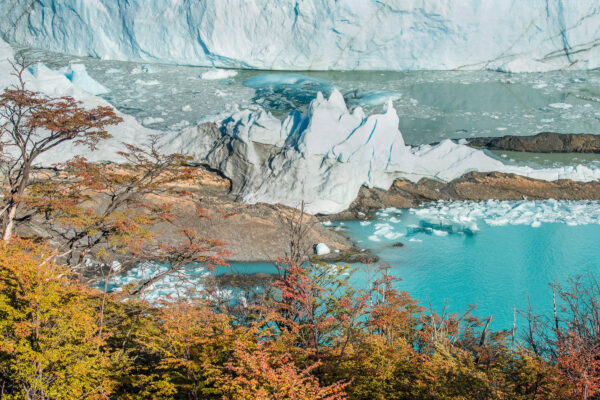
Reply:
x=545 y=142
x=476 y=186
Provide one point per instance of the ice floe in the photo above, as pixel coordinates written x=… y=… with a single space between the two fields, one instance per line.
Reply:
x=215 y=74
x=499 y=213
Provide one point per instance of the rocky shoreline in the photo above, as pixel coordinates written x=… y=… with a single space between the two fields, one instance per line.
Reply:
x=262 y=232
x=474 y=186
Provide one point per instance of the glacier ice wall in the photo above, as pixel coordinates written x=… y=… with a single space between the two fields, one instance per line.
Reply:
x=324 y=157
x=507 y=35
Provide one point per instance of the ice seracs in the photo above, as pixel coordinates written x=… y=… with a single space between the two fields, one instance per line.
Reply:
x=506 y=35
x=322 y=158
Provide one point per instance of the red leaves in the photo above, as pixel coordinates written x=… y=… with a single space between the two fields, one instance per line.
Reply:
x=578 y=360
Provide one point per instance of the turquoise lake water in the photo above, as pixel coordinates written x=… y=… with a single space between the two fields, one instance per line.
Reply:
x=497 y=269
x=494 y=255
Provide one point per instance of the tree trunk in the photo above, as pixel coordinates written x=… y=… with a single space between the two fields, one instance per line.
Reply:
x=9 y=222
x=9 y=219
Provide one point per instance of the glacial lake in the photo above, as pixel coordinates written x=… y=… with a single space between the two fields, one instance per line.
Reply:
x=498 y=256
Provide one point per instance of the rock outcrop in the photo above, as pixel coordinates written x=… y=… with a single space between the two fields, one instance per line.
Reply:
x=476 y=186
x=252 y=232
x=544 y=142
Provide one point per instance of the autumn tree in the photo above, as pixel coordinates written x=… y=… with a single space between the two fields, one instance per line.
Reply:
x=51 y=346
x=570 y=338
x=33 y=124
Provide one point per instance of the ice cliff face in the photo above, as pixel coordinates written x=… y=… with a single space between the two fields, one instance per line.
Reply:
x=508 y=35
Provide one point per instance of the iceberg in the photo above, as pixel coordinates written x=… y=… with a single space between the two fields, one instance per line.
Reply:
x=323 y=157
x=322 y=249
x=215 y=74
x=505 y=35
x=77 y=74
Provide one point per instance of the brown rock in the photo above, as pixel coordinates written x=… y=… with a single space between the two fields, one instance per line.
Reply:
x=544 y=142
x=472 y=186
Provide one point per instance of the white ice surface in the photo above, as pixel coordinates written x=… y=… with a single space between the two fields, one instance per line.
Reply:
x=323 y=158
x=506 y=35
x=55 y=84
x=322 y=249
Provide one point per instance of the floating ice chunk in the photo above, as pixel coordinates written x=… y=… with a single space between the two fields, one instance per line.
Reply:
x=215 y=74
x=563 y=106
x=374 y=238
x=114 y=71
x=370 y=97
x=146 y=69
x=153 y=82
x=77 y=74
x=365 y=223
x=455 y=224
x=326 y=223
x=500 y=213
x=152 y=120
x=150 y=69
x=116 y=266
x=322 y=249
x=186 y=108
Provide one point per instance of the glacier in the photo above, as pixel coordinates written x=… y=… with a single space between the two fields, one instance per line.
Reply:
x=503 y=35
x=321 y=157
